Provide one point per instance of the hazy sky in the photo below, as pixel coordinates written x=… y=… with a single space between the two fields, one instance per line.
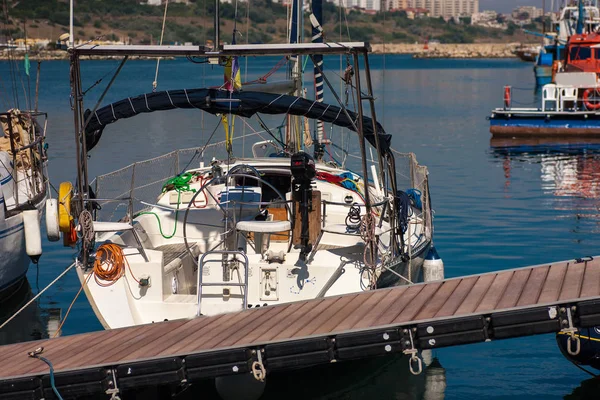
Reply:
x=506 y=6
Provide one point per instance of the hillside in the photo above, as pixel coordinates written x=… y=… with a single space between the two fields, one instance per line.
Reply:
x=264 y=22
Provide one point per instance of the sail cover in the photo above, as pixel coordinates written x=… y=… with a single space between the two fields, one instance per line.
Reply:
x=216 y=101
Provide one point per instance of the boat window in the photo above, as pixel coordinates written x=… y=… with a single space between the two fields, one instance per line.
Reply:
x=580 y=53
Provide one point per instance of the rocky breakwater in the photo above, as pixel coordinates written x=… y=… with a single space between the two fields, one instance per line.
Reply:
x=43 y=55
x=475 y=50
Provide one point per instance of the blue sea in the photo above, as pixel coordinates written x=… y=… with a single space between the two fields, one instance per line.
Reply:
x=498 y=205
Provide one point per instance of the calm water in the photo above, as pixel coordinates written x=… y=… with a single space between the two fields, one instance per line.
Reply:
x=495 y=207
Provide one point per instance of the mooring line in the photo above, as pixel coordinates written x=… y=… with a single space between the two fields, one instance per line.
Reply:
x=37 y=296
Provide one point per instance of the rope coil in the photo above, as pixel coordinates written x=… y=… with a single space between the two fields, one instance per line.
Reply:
x=353 y=218
x=367 y=234
x=109 y=265
x=86 y=224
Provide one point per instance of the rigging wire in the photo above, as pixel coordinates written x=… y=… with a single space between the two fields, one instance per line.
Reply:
x=100 y=80
x=203 y=148
x=383 y=72
x=264 y=126
x=162 y=33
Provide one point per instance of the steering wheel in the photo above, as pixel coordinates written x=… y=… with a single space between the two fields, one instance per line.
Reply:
x=256 y=177
x=244 y=169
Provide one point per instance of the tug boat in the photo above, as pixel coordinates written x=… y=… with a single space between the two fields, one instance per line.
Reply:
x=569 y=107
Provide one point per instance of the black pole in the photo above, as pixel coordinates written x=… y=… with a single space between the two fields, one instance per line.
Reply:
x=217 y=46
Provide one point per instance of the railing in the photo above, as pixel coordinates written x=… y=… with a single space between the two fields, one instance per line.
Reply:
x=132 y=189
x=138 y=184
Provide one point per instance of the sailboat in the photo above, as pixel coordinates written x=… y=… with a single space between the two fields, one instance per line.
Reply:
x=569 y=107
x=162 y=240
x=23 y=188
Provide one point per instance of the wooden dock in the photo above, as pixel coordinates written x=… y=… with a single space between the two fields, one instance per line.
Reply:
x=511 y=303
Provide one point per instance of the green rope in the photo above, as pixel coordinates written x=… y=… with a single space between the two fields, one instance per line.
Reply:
x=180 y=183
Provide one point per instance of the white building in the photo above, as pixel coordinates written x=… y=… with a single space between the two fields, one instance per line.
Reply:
x=447 y=8
x=488 y=19
x=532 y=11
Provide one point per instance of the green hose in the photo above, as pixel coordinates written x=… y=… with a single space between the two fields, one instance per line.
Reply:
x=180 y=183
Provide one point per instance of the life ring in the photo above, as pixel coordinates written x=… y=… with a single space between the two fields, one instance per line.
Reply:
x=65 y=193
x=507 y=96
x=586 y=99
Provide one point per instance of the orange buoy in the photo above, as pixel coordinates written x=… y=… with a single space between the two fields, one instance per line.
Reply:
x=507 y=96
x=70 y=237
x=555 y=67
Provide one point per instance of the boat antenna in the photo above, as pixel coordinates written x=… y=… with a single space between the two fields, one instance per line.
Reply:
x=580 y=17
x=316 y=18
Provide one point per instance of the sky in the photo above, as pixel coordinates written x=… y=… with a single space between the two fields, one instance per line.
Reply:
x=506 y=6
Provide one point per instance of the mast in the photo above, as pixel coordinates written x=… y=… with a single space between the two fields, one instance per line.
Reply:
x=71 y=16
x=217 y=27
x=543 y=21
x=316 y=19
x=294 y=139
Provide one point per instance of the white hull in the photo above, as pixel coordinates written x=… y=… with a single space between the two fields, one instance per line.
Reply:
x=14 y=262
x=335 y=267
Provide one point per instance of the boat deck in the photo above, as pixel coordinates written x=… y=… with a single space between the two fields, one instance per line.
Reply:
x=531 y=122
x=497 y=305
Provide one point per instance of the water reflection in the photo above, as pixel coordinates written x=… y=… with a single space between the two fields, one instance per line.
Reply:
x=377 y=378
x=33 y=323
x=588 y=390
x=569 y=167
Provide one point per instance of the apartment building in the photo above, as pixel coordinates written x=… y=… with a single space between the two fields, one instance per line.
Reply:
x=439 y=8
x=397 y=4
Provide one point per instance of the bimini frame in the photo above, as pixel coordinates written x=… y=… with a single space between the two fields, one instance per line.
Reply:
x=356 y=49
